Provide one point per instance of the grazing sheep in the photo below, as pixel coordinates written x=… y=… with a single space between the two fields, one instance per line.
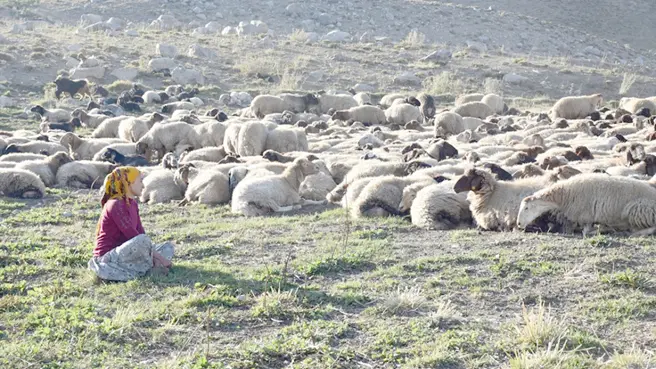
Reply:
x=84 y=149
x=83 y=174
x=621 y=204
x=211 y=133
x=46 y=168
x=161 y=186
x=133 y=128
x=72 y=87
x=20 y=183
x=165 y=137
x=334 y=102
x=495 y=102
x=276 y=193
x=362 y=98
x=634 y=105
x=495 y=204
x=438 y=208
x=89 y=120
x=402 y=114
x=576 y=107
x=115 y=157
x=474 y=109
x=366 y=114
x=426 y=107
x=448 y=123
x=205 y=187
x=299 y=103
x=53 y=115
x=461 y=100
x=268 y=104
x=35 y=147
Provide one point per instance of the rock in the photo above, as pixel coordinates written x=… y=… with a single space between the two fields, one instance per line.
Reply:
x=131 y=33
x=6 y=101
x=407 y=78
x=312 y=37
x=71 y=62
x=225 y=99
x=324 y=19
x=439 y=56
x=336 y=36
x=126 y=74
x=293 y=9
x=185 y=76
x=366 y=37
x=229 y=31
x=157 y=64
x=97 y=72
x=315 y=76
x=514 y=78
x=165 y=50
x=114 y=24
x=89 y=62
x=476 y=46
x=74 y=47
x=197 y=51
x=213 y=27
x=308 y=25
x=165 y=21
x=595 y=116
x=591 y=50
x=255 y=27
x=86 y=19
x=363 y=87
x=241 y=99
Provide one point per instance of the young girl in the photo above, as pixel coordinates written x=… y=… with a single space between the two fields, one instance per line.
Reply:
x=123 y=251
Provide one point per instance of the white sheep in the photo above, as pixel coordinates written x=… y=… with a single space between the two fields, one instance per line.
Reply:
x=161 y=186
x=83 y=174
x=203 y=186
x=402 y=113
x=474 y=109
x=276 y=193
x=461 y=100
x=634 y=105
x=283 y=139
x=210 y=154
x=231 y=138
x=35 y=147
x=576 y=107
x=622 y=204
x=52 y=115
x=211 y=133
x=20 y=157
x=387 y=100
x=366 y=114
x=382 y=196
x=152 y=97
x=268 y=104
x=362 y=98
x=178 y=105
x=495 y=102
x=299 y=103
x=448 y=123
x=132 y=129
x=335 y=102
x=165 y=137
x=109 y=127
x=317 y=186
x=438 y=208
x=46 y=168
x=21 y=183
x=85 y=149
x=89 y=120
x=251 y=140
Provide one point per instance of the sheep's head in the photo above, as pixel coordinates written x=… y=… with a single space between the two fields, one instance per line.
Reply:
x=60 y=159
x=441 y=150
x=598 y=100
x=533 y=151
x=10 y=149
x=412 y=101
x=307 y=167
x=583 y=153
x=341 y=115
x=311 y=100
x=230 y=159
x=531 y=208
x=212 y=113
x=534 y=139
x=191 y=119
x=550 y=162
x=408 y=197
x=38 y=109
x=93 y=105
x=272 y=155
x=571 y=156
x=566 y=172
x=235 y=175
x=79 y=113
x=650 y=165
x=167 y=109
x=414 y=166
x=475 y=180
x=472 y=157
x=71 y=141
x=529 y=170
x=110 y=155
x=410 y=147
x=156 y=117
x=635 y=153
x=141 y=147
x=169 y=161
x=182 y=173
x=521 y=157
x=43 y=138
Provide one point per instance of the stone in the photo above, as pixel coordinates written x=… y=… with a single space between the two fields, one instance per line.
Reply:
x=363 y=87
x=213 y=27
x=407 y=78
x=293 y=9
x=336 y=36
x=97 y=72
x=476 y=46
x=165 y=50
x=439 y=56
x=240 y=98
x=126 y=74
x=6 y=101
x=324 y=19
x=157 y=64
x=229 y=31
x=197 y=51
x=185 y=76
x=513 y=78
x=131 y=33
x=114 y=24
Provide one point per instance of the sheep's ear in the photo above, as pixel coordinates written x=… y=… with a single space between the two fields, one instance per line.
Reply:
x=462 y=185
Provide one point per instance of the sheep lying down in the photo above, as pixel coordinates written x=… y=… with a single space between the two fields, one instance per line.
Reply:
x=617 y=203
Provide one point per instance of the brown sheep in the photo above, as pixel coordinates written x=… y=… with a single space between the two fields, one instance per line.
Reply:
x=72 y=87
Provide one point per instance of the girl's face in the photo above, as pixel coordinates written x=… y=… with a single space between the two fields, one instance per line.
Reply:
x=137 y=186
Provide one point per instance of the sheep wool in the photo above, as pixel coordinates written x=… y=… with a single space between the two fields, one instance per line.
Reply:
x=576 y=107
x=20 y=183
x=436 y=209
x=83 y=174
x=474 y=109
x=366 y=114
x=402 y=113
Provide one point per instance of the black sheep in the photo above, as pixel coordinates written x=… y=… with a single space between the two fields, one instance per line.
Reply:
x=117 y=158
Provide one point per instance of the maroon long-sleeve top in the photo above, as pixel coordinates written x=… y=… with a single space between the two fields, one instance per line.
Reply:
x=119 y=222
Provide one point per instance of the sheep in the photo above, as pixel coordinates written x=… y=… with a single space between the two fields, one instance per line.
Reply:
x=334 y=102
x=115 y=157
x=276 y=193
x=495 y=204
x=70 y=126
x=83 y=174
x=166 y=137
x=35 y=147
x=251 y=140
x=109 y=127
x=84 y=149
x=362 y=98
x=211 y=133
x=402 y=114
x=448 y=123
x=46 y=168
x=213 y=154
x=272 y=155
x=126 y=149
x=286 y=140
x=387 y=100
x=132 y=129
x=576 y=107
x=495 y=102
x=89 y=120
x=262 y=105
x=426 y=107
x=367 y=114
x=622 y=204
x=53 y=115
x=634 y=105
x=438 y=208
x=72 y=87
x=317 y=186
x=382 y=196
x=461 y=100
x=299 y=103
x=474 y=109
x=205 y=187
x=17 y=158
x=162 y=186
x=178 y=105
x=20 y=183
x=231 y=138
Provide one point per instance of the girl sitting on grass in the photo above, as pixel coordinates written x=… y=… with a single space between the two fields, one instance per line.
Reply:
x=123 y=251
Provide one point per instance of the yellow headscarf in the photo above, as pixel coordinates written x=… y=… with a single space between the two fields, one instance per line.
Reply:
x=116 y=185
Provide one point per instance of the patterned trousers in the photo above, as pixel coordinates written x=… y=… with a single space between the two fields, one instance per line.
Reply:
x=131 y=260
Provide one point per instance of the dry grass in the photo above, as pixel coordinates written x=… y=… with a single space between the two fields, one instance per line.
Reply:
x=538 y=327
x=404 y=301
x=413 y=40
x=445 y=83
x=493 y=86
x=299 y=36
x=627 y=82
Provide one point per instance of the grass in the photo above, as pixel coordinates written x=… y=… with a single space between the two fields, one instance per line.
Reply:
x=627 y=82
x=445 y=83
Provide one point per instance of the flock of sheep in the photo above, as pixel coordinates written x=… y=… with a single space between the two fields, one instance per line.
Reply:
x=582 y=167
